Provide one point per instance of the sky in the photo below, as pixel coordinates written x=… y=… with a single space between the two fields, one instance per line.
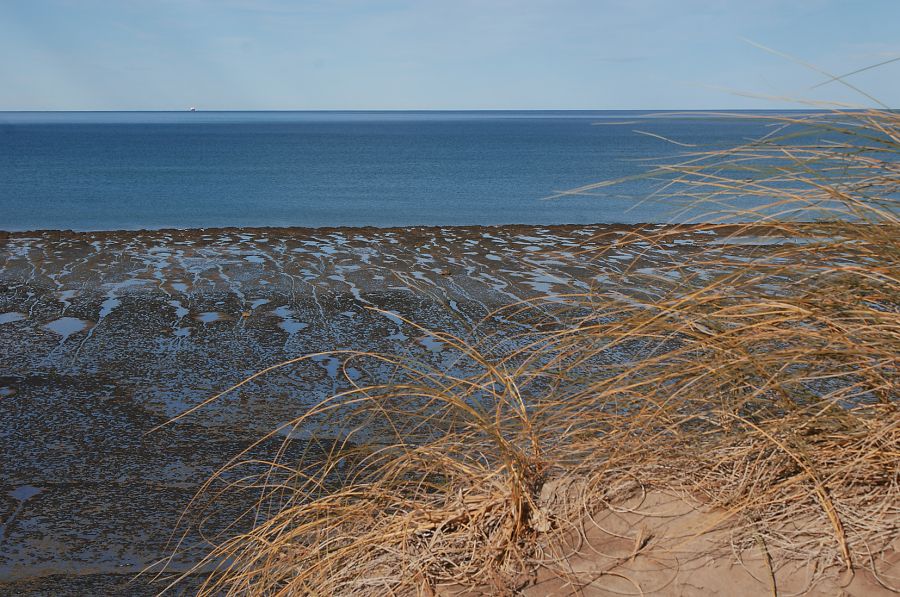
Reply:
x=444 y=54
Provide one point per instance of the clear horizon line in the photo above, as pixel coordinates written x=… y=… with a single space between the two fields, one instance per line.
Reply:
x=198 y=110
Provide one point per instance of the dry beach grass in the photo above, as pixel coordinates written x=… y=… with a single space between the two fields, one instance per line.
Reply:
x=753 y=377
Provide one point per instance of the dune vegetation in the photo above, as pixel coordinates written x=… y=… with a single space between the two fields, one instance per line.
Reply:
x=754 y=373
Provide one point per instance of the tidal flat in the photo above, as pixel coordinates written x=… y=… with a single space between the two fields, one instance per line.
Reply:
x=106 y=335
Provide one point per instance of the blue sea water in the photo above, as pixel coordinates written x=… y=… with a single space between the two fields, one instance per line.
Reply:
x=133 y=170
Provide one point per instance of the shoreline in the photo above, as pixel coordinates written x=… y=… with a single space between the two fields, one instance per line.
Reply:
x=724 y=227
x=320 y=229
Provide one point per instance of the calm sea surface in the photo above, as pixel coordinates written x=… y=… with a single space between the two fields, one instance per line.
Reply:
x=129 y=170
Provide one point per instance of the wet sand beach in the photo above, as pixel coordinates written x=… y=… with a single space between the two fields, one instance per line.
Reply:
x=106 y=335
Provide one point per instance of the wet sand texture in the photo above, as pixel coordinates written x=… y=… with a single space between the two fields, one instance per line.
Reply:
x=104 y=336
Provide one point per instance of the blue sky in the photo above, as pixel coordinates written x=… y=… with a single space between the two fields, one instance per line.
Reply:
x=455 y=54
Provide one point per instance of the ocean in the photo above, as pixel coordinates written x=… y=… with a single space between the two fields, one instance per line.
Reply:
x=151 y=170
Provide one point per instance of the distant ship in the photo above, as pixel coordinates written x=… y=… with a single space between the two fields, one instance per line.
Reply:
x=192 y=109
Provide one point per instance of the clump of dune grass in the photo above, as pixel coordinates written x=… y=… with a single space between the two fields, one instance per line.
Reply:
x=756 y=372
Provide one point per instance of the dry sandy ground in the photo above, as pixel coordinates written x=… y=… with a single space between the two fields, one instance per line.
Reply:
x=660 y=543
